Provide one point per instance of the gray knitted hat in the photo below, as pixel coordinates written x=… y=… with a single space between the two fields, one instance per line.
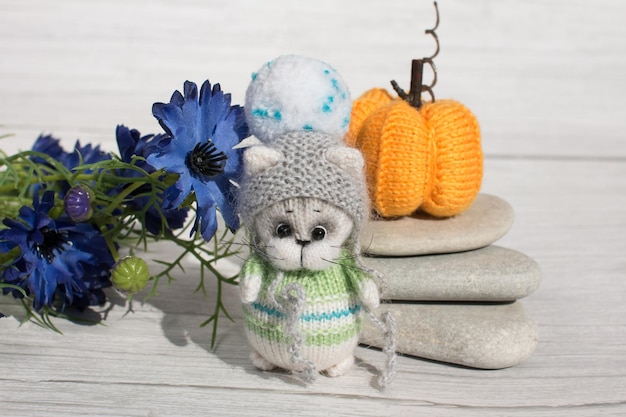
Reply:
x=303 y=171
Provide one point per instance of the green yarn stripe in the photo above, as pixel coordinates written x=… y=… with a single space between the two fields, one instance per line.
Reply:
x=320 y=286
x=322 y=336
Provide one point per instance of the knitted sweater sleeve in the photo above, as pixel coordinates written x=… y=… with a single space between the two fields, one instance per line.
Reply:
x=252 y=266
x=250 y=279
x=362 y=283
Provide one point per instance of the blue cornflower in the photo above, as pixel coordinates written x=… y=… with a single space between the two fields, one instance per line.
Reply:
x=49 y=145
x=80 y=155
x=59 y=261
x=84 y=155
x=131 y=143
x=202 y=131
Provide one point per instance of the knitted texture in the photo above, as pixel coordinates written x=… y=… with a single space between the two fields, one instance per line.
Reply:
x=428 y=159
x=295 y=93
x=303 y=171
x=362 y=108
x=330 y=321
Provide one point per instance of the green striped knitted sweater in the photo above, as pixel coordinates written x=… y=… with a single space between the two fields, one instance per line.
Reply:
x=330 y=321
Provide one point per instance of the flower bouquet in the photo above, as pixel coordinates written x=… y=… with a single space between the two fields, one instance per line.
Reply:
x=73 y=221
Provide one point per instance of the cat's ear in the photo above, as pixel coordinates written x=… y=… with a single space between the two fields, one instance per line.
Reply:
x=348 y=159
x=259 y=158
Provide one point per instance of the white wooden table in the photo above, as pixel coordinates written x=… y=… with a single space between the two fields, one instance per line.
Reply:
x=545 y=79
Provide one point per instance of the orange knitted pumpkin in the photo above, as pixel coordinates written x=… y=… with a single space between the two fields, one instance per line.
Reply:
x=428 y=159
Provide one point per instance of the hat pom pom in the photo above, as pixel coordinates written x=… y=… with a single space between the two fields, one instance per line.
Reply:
x=294 y=93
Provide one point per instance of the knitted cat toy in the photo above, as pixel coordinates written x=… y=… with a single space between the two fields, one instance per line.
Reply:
x=303 y=199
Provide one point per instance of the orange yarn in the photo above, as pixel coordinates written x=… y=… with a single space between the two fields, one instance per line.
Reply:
x=363 y=107
x=428 y=159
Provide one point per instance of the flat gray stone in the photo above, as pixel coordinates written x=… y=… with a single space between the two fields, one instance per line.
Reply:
x=481 y=336
x=486 y=221
x=490 y=274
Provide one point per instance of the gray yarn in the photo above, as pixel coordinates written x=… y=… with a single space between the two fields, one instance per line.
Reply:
x=303 y=172
x=293 y=302
x=387 y=324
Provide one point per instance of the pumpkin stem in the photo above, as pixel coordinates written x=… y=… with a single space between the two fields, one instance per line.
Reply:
x=414 y=96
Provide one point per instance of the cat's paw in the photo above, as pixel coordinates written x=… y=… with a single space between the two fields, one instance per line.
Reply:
x=249 y=288
x=260 y=362
x=340 y=368
x=368 y=292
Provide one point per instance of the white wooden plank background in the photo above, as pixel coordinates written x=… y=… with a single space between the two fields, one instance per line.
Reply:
x=546 y=80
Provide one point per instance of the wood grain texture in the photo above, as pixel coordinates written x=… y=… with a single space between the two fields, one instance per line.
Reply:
x=546 y=81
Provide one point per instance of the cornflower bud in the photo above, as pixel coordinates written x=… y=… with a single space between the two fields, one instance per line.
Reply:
x=130 y=274
x=77 y=203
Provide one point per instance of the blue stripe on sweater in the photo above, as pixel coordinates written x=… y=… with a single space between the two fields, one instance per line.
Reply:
x=337 y=314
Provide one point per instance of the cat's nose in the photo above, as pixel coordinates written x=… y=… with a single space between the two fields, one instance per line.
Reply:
x=302 y=243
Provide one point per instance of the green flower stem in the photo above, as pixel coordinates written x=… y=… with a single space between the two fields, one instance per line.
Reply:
x=60 y=177
x=167 y=271
x=121 y=197
x=28 y=178
x=13 y=287
x=219 y=307
x=6 y=189
x=136 y=184
x=110 y=244
x=207 y=255
x=20 y=170
x=14 y=200
x=40 y=318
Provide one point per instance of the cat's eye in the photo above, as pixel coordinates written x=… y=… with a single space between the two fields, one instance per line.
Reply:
x=283 y=230
x=318 y=233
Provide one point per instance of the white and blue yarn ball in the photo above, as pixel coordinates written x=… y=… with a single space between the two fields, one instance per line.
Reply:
x=294 y=93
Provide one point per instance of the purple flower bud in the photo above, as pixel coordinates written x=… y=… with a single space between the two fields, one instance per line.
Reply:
x=130 y=274
x=78 y=203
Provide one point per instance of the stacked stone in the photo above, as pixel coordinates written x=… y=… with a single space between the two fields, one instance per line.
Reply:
x=453 y=293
